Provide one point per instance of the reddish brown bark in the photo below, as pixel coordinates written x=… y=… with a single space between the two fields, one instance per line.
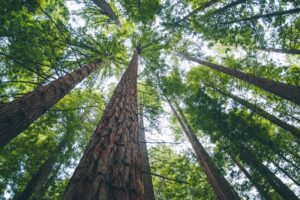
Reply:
x=110 y=166
x=146 y=177
x=222 y=188
x=288 y=92
x=17 y=115
x=105 y=7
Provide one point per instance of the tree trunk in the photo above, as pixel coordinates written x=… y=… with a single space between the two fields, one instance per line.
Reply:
x=255 y=17
x=146 y=177
x=249 y=158
x=110 y=166
x=273 y=119
x=17 y=115
x=230 y=5
x=37 y=182
x=105 y=7
x=284 y=172
x=201 y=7
x=285 y=51
x=260 y=188
x=283 y=90
x=222 y=188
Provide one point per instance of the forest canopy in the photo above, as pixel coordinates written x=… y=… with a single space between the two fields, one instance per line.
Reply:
x=149 y=99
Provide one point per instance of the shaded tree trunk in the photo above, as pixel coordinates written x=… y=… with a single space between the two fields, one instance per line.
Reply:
x=230 y=5
x=110 y=166
x=222 y=188
x=200 y=8
x=285 y=51
x=105 y=7
x=146 y=177
x=283 y=90
x=273 y=119
x=273 y=14
x=249 y=158
x=39 y=179
x=260 y=188
x=17 y=115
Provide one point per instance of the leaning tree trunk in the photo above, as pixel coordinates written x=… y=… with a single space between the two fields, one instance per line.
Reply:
x=248 y=157
x=260 y=188
x=289 y=92
x=271 y=118
x=285 y=51
x=37 y=182
x=105 y=7
x=273 y=14
x=230 y=5
x=222 y=188
x=17 y=115
x=200 y=8
x=146 y=171
x=110 y=166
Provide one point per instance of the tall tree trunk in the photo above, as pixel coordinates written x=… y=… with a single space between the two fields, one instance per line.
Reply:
x=105 y=7
x=283 y=90
x=110 y=166
x=230 y=5
x=146 y=177
x=201 y=7
x=37 y=182
x=248 y=157
x=260 y=188
x=17 y=115
x=273 y=14
x=220 y=185
x=285 y=51
x=273 y=119
x=284 y=172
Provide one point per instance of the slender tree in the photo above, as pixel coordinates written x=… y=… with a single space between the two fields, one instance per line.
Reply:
x=38 y=180
x=105 y=7
x=285 y=51
x=110 y=166
x=17 y=115
x=200 y=8
x=259 y=16
x=146 y=171
x=273 y=119
x=261 y=189
x=220 y=185
x=288 y=92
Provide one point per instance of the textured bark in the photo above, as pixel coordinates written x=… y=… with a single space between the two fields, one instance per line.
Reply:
x=283 y=90
x=249 y=158
x=105 y=7
x=260 y=188
x=36 y=184
x=146 y=177
x=200 y=8
x=273 y=14
x=220 y=185
x=110 y=166
x=285 y=51
x=273 y=119
x=17 y=115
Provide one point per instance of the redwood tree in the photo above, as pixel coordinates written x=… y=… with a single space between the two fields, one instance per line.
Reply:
x=110 y=166
x=220 y=185
x=288 y=92
x=146 y=176
x=17 y=115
